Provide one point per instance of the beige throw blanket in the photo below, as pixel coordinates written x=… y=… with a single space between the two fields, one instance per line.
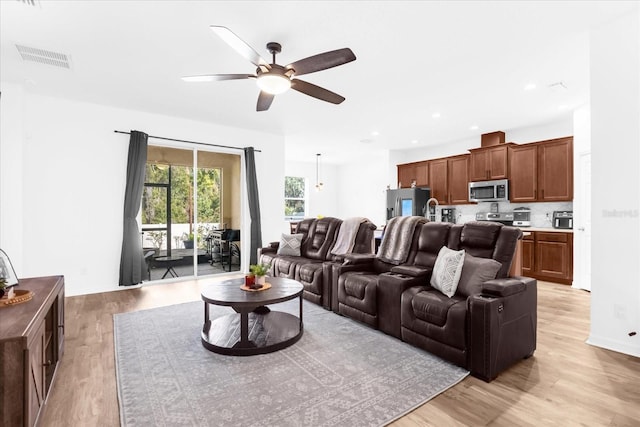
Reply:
x=347 y=235
x=398 y=235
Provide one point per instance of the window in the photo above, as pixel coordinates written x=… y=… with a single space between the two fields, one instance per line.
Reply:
x=294 y=197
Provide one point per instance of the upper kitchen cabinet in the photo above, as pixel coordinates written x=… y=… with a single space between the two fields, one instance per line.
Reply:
x=489 y=163
x=458 y=179
x=541 y=171
x=449 y=179
x=523 y=176
x=410 y=172
x=555 y=170
x=438 y=180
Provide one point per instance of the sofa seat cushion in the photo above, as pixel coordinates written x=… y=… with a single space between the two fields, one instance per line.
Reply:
x=432 y=307
x=268 y=258
x=358 y=290
x=436 y=316
x=286 y=266
x=310 y=275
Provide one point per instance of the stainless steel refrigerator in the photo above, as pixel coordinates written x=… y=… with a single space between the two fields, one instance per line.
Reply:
x=407 y=202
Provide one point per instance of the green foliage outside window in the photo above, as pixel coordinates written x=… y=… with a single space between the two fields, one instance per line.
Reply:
x=294 y=196
x=154 y=202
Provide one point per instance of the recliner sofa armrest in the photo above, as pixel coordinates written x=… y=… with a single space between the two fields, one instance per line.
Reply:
x=412 y=270
x=358 y=259
x=505 y=287
x=267 y=250
x=503 y=329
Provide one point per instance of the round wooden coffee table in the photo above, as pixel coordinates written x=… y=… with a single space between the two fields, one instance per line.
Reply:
x=257 y=329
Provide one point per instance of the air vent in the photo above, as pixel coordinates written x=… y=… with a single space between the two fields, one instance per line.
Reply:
x=42 y=56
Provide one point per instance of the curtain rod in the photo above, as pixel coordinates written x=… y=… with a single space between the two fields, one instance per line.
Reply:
x=190 y=142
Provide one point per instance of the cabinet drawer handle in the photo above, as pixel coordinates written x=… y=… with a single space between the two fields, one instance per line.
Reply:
x=61 y=326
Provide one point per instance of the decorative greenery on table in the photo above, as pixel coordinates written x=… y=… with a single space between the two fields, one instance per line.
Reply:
x=259 y=269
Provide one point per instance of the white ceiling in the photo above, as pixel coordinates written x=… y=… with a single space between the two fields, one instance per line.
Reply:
x=468 y=61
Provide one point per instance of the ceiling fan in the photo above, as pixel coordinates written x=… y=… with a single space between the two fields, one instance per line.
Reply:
x=274 y=79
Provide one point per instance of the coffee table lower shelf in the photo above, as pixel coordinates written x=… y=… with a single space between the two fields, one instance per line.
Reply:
x=266 y=333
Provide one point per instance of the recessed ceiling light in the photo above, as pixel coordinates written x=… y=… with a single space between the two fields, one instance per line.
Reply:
x=414 y=141
x=436 y=115
x=530 y=86
x=474 y=127
x=366 y=141
x=375 y=133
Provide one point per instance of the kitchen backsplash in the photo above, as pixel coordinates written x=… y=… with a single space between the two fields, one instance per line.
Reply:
x=541 y=213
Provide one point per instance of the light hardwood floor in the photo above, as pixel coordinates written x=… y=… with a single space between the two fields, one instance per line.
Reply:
x=565 y=383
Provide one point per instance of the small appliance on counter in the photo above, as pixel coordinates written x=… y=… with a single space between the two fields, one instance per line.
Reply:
x=522 y=217
x=505 y=218
x=448 y=215
x=563 y=219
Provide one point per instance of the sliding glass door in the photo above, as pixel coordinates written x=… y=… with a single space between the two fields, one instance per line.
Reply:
x=183 y=211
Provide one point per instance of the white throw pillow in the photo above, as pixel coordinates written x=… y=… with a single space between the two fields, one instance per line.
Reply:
x=447 y=270
x=290 y=244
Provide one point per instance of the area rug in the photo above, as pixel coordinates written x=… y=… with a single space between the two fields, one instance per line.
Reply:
x=340 y=373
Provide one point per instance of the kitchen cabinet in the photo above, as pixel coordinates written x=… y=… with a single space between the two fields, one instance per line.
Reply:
x=548 y=256
x=449 y=179
x=409 y=172
x=528 y=253
x=31 y=345
x=555 y=170
x=541 y=171
x=489 y=163
x=438 y=180
x=458 y=179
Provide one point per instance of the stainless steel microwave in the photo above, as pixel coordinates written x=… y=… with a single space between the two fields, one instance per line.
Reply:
x=489 y=191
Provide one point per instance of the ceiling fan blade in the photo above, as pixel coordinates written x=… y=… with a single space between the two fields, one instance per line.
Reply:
x=217 y=77
x=239 y=45
x=322 y=61
x=264 y=101
x=316 y=91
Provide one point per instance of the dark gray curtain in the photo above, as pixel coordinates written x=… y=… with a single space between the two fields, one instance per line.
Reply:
x=254 y=204
x=132 y=264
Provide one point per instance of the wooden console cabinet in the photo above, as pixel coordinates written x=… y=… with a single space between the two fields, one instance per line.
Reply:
x=31 y=346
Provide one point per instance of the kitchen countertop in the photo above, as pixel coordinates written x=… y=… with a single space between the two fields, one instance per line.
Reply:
x=548 y=230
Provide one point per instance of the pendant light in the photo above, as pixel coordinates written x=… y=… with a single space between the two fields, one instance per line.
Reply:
x=319 y=185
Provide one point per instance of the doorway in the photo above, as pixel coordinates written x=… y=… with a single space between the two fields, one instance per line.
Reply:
x=188 y=195
x=582 y=228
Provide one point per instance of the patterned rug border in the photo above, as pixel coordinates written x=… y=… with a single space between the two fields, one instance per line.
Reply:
x=307 y=308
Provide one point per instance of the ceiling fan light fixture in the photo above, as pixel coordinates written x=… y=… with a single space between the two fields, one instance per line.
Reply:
x=273 y=83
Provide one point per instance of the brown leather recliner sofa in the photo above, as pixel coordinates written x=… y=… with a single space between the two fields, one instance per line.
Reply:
x=318 y=239
x=486 y=326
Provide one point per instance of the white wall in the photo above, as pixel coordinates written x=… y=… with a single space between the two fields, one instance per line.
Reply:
x=323 y=202
x=363 y=187
x=356 y=188
x=73 y=176
x=11 y=113
x=615 y=136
